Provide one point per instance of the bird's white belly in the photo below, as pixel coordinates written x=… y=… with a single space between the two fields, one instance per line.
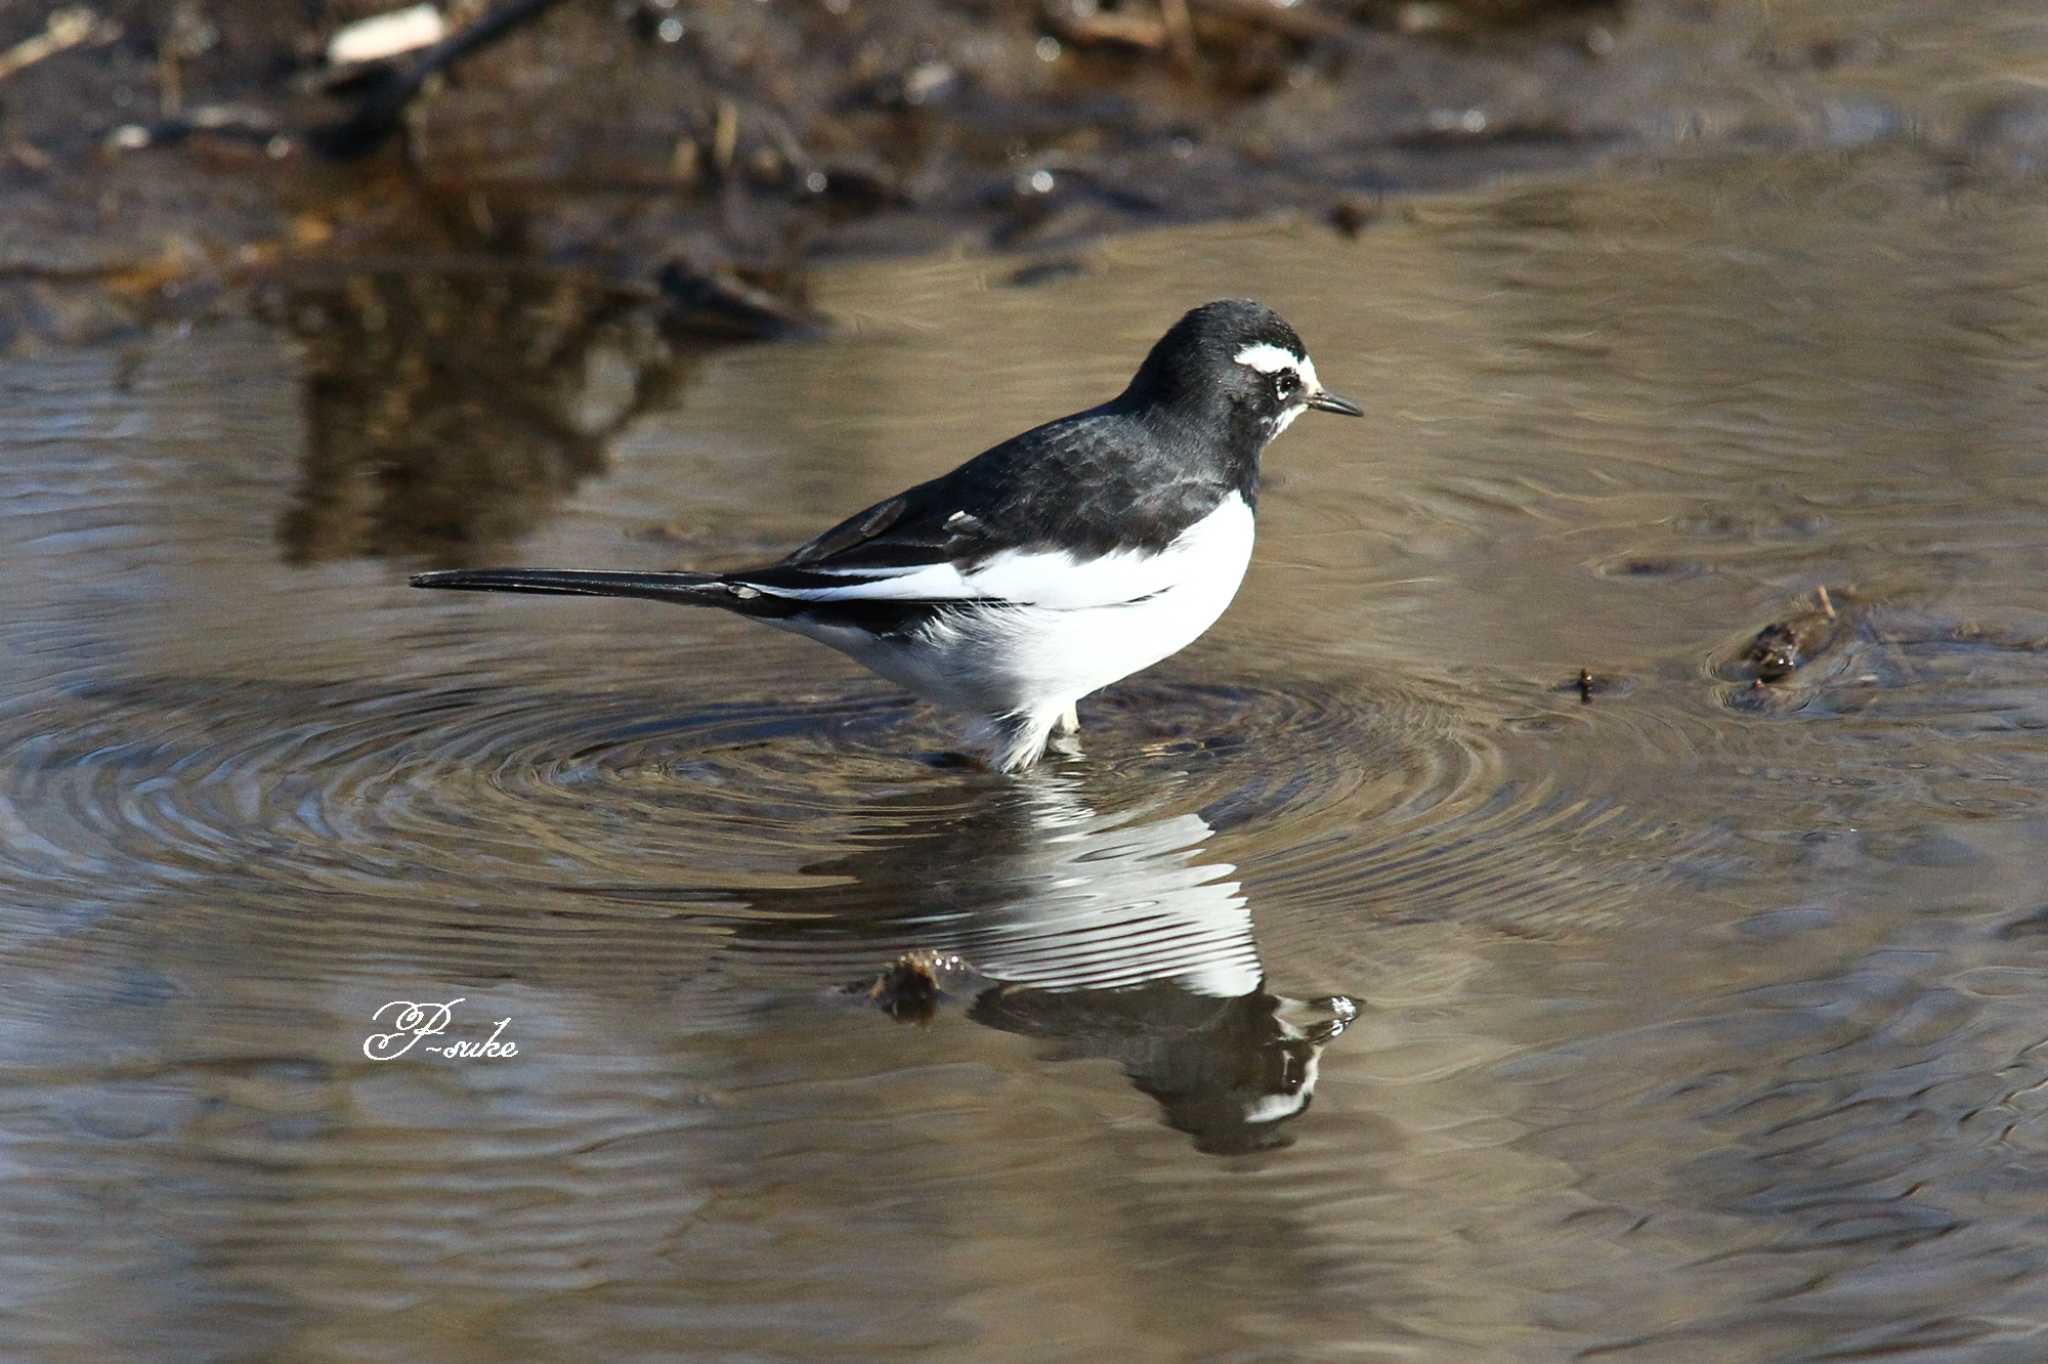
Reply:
x=1028 y=659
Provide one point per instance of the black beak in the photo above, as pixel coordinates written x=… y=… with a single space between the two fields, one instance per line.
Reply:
x=1326 y=401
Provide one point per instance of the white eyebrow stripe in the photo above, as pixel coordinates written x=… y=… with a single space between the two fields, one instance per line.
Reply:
x=1267 y=358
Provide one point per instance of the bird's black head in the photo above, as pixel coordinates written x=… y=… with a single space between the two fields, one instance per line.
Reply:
x=1235 y=368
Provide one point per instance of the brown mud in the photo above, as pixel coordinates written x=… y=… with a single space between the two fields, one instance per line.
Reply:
x=155 y=158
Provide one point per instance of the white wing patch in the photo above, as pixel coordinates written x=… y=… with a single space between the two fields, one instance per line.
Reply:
x=1052 y=578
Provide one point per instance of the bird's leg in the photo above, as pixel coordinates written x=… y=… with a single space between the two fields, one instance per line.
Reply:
x=1014 y=742
x=1065 y=739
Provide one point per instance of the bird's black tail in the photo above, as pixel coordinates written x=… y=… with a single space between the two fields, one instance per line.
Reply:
x=690 y=589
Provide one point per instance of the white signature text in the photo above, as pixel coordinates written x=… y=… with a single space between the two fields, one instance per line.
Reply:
x=412 y=1023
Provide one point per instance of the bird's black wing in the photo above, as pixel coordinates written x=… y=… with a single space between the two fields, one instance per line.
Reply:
x=1083 y=483
x=1047 y=518
x=1007 y=497
x=921 y=526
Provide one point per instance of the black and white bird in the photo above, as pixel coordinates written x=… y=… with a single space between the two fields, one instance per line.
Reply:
x=1043 y=569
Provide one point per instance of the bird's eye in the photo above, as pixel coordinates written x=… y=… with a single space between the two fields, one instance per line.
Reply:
x=1285 y=382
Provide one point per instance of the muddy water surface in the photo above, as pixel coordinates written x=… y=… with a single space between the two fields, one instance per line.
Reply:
x=1362 y=989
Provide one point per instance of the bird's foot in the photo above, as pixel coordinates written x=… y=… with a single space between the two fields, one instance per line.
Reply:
x=1015 y=741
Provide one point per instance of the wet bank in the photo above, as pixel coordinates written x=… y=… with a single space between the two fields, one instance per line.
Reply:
x=170 y=157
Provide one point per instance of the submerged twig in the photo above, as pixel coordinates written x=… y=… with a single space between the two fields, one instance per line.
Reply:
x=1107 y=30
x=1180 y=32
x=1297 y=22
x=65 y=29
x=382 y=107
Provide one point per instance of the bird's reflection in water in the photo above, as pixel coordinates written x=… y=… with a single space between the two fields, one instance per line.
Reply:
x=1106 y=936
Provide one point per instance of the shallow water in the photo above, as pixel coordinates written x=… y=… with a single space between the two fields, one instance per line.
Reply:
x=1361 y=990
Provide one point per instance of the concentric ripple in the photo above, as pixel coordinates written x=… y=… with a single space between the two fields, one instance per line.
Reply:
x=1150 y=900
x=483 y=822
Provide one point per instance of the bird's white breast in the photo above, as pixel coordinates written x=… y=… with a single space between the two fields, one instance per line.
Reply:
x=1040 y=629
x=1088 y=623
